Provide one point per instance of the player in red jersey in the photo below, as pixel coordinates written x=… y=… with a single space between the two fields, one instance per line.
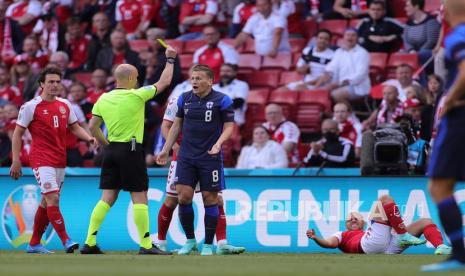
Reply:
x=378 y=238
x=170 y=203
x=47 y=117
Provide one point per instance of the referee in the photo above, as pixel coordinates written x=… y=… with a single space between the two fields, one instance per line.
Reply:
x=122 y=111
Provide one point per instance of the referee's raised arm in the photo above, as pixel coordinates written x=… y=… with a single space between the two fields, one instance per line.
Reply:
x=167 y=74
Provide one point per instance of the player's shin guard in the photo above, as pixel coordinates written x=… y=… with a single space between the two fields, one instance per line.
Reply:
x=186 y=216
x=433 y=235
x=451 y=220
x=98 y=215
x=221 y=227
x=394 y=218
x=164 y=219
x=211 y=221
x=40 y=224
x=141 y=219
x=58 y=223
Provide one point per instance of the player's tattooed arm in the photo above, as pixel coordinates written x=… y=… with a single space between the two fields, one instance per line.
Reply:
x=331 y=242
x=94 y=126
x=15 y=169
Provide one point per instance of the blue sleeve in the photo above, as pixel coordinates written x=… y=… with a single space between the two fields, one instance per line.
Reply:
x=180 y=113
x=227 y=111
x=455 y=45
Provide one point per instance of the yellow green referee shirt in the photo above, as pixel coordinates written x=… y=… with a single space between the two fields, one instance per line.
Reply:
x=122 y=111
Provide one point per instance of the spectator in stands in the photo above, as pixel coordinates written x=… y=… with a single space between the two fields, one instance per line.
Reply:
x=216 y=52
x=282 y=131
x=79 y=96
x=98 y=87
x=390 y=109
x=60 y=60
x=421 y=33
x=348 y=70
x=76 y=45
x=49 y=30
x=129 y=15
x=332 y=150
x=434 y=88
x=349 y=126
x=157 y=63
x=288 y=10
x=34 y=56
x=263 y=153
x=312 y=62
x=26 y=13
x=404 y=78
x=100 y=38
x=348 y=9
x=417 y=147
x=421 y=110
x=422 y=29
x=378 y=33
x=236 y=89
x=118 y=53
x=268 y=29
x=11 y=36
x=9 y=93
x=319 y=10
x=242 y=13
x=23 y=77
x=195 y=15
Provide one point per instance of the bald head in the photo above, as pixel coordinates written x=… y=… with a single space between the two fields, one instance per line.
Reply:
x=454 y=12
x=390 y=94
x=126 y=76
x=274 y=114
x=329 y=125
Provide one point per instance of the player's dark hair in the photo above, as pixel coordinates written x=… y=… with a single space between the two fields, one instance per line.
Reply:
x=419 y=3
x=232 y=66
x=379 y=2
x=203 y=68
x=49 y=71
x=326 y=31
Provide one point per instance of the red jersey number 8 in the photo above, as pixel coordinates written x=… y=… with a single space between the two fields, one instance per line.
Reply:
x=55 y=121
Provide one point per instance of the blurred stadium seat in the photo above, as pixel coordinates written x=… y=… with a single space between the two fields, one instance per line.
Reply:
x=287 y=100
x=138 y=45
x=378 y=62
x=281 y=62
x=396 y=59
x=289 y=76
x=192 y=45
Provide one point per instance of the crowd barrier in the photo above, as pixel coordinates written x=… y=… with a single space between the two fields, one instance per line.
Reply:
x=267 y=210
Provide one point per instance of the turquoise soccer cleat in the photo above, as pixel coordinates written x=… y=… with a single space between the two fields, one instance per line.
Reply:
x=70 y=246
x=188 y=247
x=443 y=250
x=408 y=240
x=162 y=245
x=227 y=249
x=207 y=250
x=38 y=249
x=448 y=265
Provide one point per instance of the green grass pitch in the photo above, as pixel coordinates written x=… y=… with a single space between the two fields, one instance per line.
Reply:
x=128 y=263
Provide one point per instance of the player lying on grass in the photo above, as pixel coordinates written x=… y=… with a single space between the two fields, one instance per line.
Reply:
x=170 y=203
x=379 y=237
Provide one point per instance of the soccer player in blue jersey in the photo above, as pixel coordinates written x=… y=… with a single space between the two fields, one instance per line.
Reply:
x=447 y=165
x=206 y=118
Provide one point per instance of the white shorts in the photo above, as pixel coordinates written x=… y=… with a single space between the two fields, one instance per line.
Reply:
x=170 y=181
x=294 y=85
x=49 y=179
x=394 y=247
x=377 y=238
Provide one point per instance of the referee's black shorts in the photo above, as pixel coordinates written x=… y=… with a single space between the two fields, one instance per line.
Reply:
x=124 y=168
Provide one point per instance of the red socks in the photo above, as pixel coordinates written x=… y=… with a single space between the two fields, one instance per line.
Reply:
x=58 y=223
x=40 y=224
x=393 y=216
x=164 y=219
x=221 y=227
x=433 y=235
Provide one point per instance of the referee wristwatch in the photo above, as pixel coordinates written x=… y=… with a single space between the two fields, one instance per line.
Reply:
x=170 y=60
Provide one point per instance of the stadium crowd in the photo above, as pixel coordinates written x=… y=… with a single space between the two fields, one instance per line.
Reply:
x=309 y=79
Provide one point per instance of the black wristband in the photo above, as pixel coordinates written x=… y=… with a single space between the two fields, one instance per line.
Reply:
x=170 y=60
